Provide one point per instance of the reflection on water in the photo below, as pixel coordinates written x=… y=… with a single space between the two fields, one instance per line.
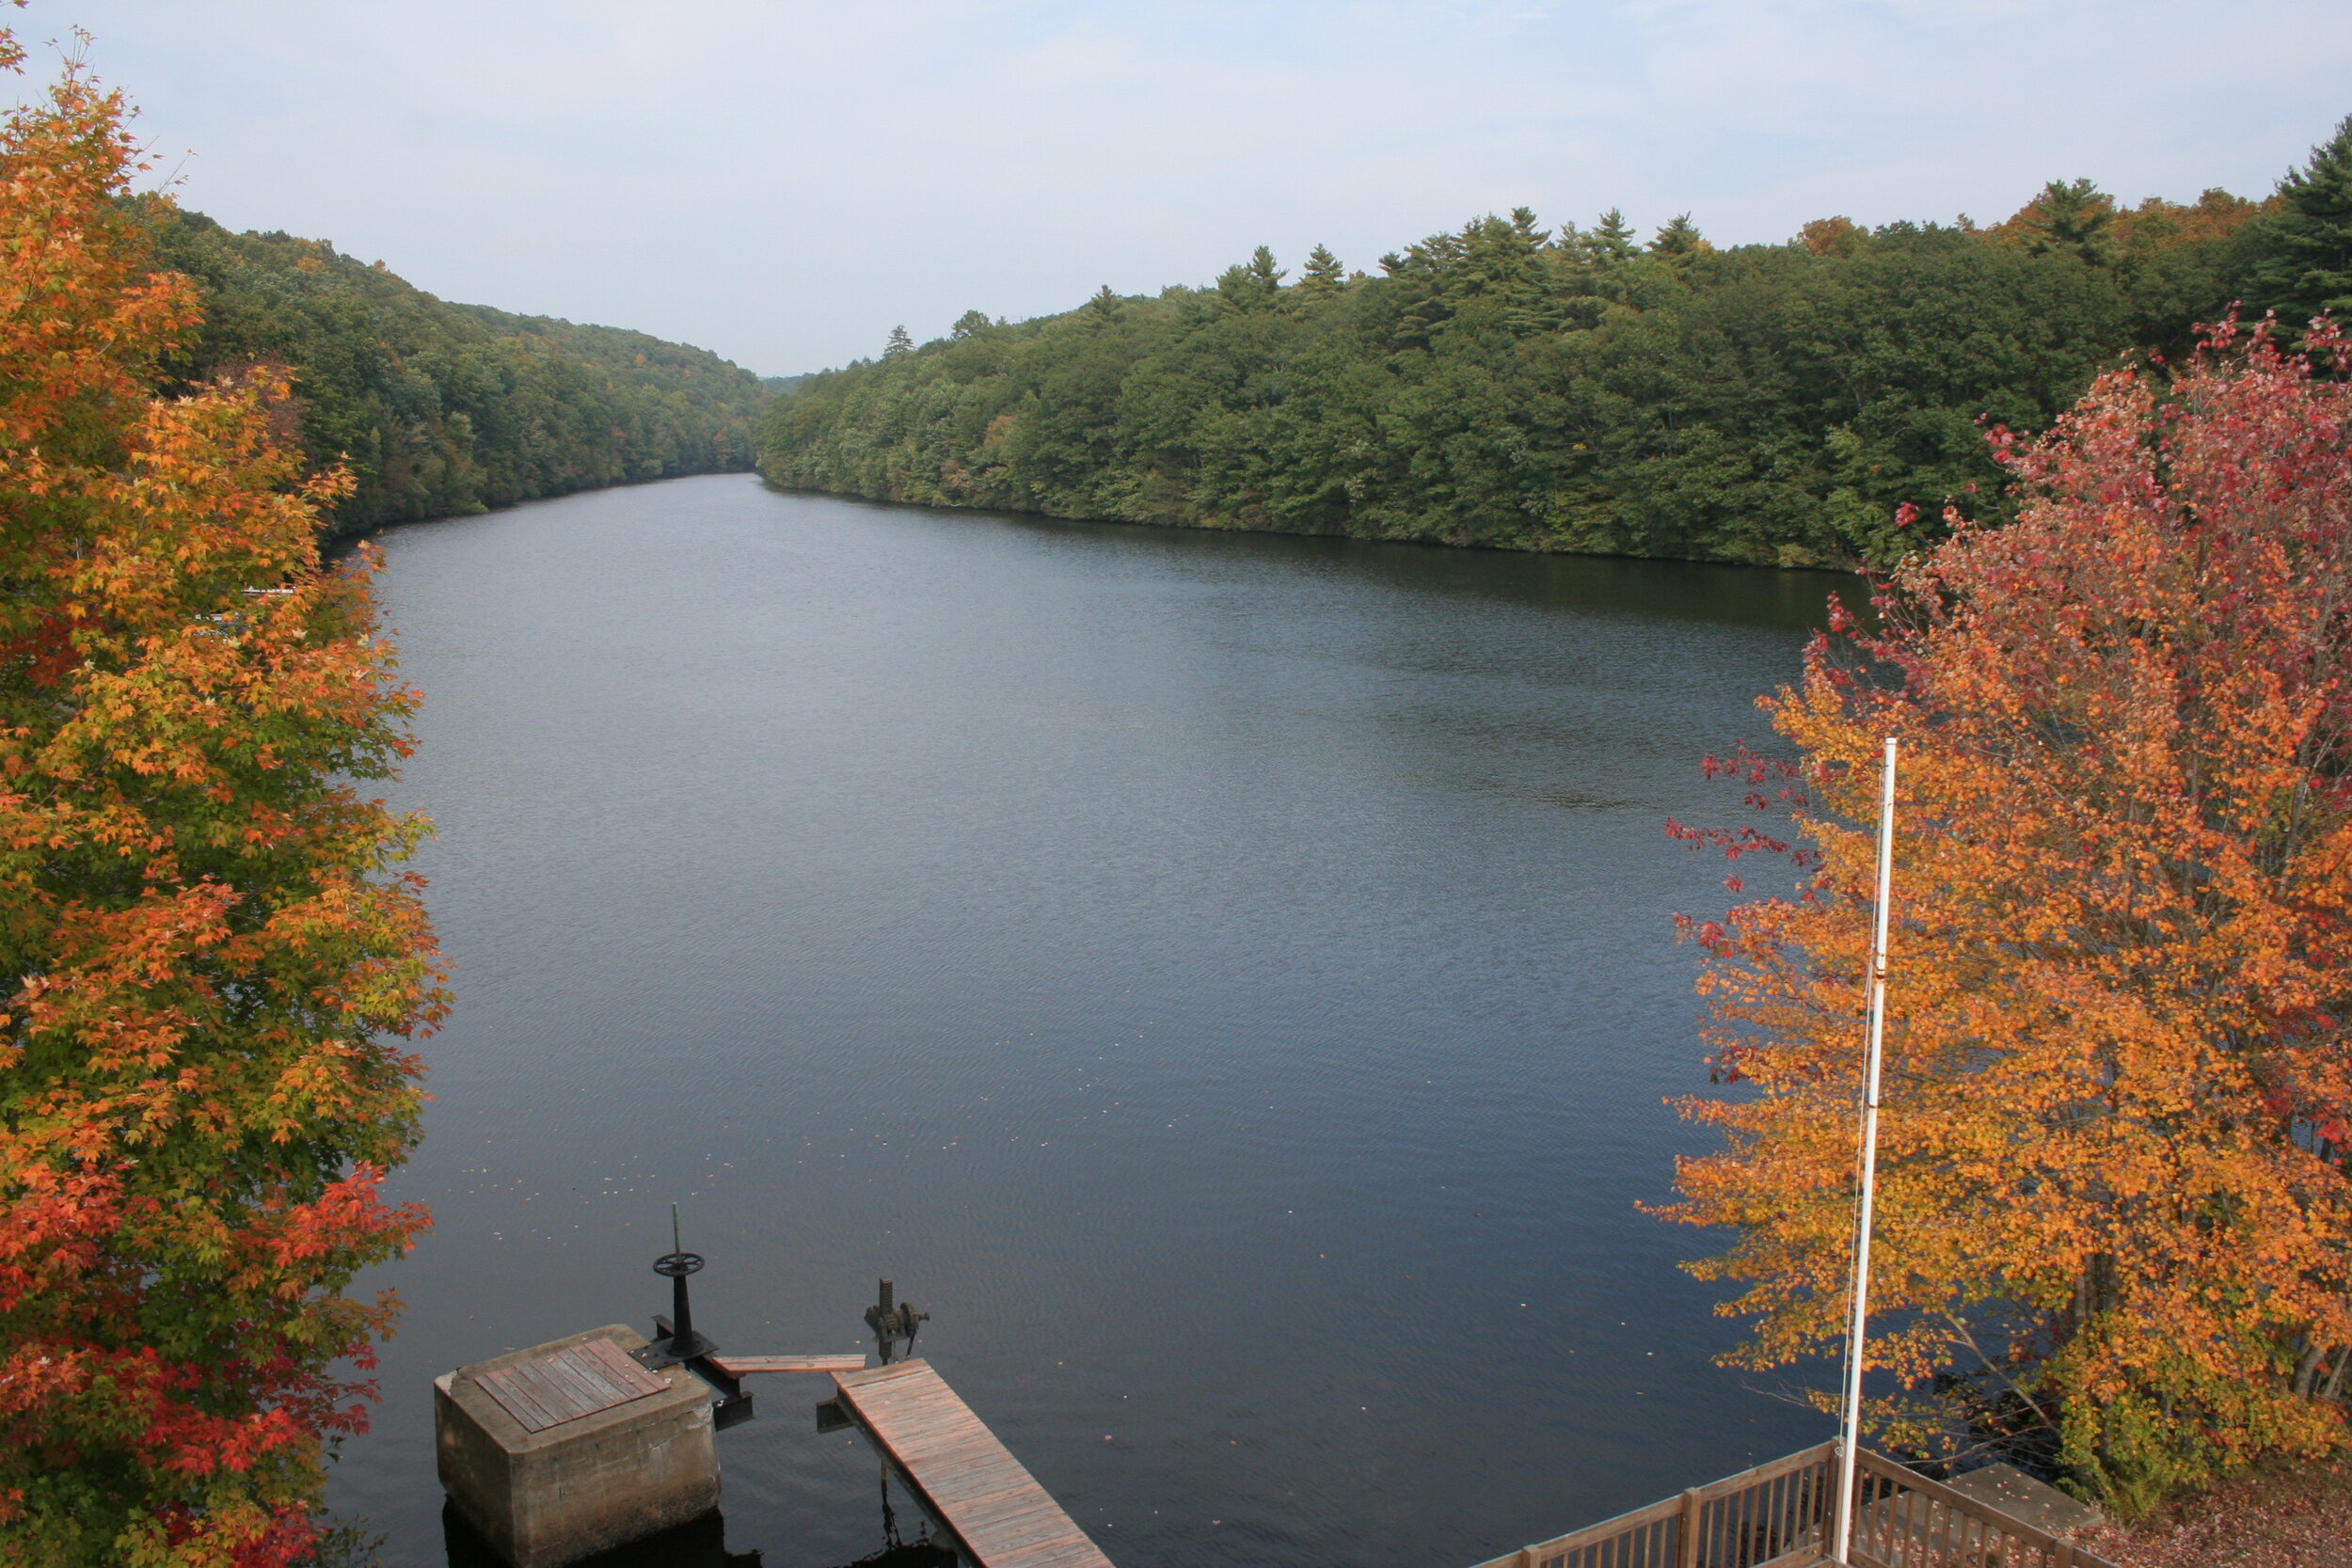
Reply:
x=1227 y=978
x=698 y=1544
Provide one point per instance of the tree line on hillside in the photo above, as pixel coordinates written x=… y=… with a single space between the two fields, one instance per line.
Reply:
x=1511 y=386
x=440 y=410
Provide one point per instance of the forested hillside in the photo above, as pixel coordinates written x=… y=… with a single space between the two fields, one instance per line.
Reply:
x=1516 y=388
x=441 y=408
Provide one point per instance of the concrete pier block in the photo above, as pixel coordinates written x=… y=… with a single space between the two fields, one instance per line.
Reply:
x=567 y=1448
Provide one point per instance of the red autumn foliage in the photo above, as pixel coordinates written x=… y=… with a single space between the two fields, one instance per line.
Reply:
x=208 y=943
x=2115 y=1214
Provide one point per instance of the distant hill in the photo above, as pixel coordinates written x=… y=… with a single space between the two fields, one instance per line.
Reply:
x=1511 y=386
x=441 y=409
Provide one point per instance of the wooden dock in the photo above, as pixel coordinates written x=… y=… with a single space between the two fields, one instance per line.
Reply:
x=965 y=1477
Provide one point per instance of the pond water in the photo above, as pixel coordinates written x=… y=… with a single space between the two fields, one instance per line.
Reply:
x=1229 y=980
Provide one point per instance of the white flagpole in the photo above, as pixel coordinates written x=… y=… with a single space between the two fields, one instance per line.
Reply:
x=1847 y=1448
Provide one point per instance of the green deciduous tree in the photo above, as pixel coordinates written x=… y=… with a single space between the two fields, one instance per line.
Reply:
x=438 y=408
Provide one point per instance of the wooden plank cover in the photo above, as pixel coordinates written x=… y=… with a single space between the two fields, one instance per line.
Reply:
x=744 y=1366
x=977 y=1488
x=578 y=1380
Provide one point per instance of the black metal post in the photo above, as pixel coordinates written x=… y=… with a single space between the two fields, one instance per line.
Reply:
x=681 y=1313
x=891 y=1320
x=683 y=1343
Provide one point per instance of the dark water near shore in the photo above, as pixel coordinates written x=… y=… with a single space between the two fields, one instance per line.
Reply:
x=1228 y=979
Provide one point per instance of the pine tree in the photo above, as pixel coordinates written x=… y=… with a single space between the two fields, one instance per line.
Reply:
x=1612 y=239
x=1323 y=274
x=899 y=343
x=1254 y=284
x=1680 y=240
x=2069 y=215
x=1103 y=309
x=2305 y=265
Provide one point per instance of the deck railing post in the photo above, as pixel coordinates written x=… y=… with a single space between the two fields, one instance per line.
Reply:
x=1687 y=1531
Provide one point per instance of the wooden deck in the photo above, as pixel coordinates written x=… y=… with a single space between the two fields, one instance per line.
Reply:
x=965 y=1477
x=1777 y=1516
x=578 y=1380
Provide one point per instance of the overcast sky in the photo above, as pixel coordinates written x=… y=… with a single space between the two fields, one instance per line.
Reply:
x=783 y=182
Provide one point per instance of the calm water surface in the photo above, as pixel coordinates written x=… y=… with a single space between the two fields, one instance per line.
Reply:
x=1228 y=979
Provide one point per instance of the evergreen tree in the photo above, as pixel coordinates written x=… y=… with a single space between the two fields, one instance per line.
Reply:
x=1103 y=309
x=2305 y=265
x=1323 y=274
x=1679 y=239
x=1612 y=239
x=1255 y=283
x=2071 y=216
x=899 y=343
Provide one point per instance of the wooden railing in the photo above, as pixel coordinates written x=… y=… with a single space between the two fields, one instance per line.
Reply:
x=1904 y=1520
x=1776 y=1517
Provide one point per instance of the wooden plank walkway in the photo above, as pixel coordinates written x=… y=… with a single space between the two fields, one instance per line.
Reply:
x=965 y=1476
x=744 y=1366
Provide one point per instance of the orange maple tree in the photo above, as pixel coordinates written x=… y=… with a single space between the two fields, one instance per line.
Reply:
x=207 y=945
x=2113 y=1210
